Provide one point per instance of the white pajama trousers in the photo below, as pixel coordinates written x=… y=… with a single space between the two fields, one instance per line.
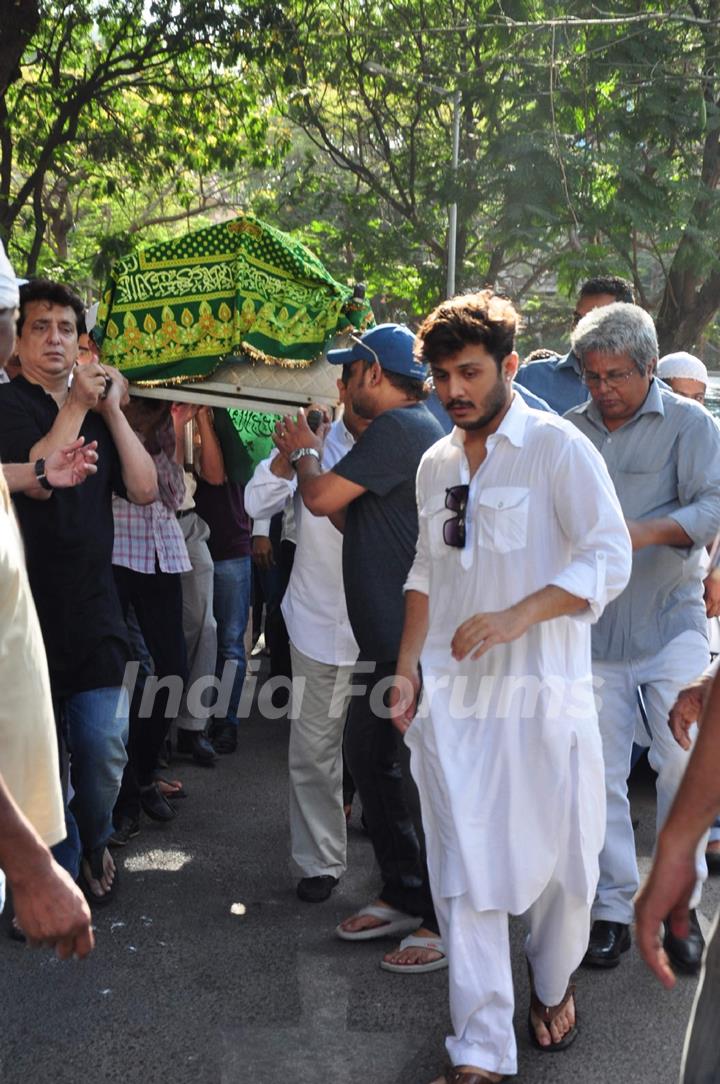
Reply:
x=660 y=677
x=478 y=947
x=318 y=832
x=482 y=1001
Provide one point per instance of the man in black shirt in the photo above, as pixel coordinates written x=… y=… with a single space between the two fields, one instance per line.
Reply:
x=370 y=495
x=68 y=541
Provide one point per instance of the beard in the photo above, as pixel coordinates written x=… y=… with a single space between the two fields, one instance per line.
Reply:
x=360 y=402
x=490 y=407
x=361 y=408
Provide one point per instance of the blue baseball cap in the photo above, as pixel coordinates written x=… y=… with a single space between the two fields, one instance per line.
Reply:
x=391 y=345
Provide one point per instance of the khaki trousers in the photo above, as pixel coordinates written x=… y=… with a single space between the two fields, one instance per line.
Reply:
x=318 y=833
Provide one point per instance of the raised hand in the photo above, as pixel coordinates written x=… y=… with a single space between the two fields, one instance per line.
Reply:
x=71 y=465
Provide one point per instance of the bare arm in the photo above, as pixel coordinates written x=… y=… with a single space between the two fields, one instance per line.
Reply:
x=323 y=492
x=138 y=470
x=211 y=462
x=404 y=694
x=84 y=394
x=657 y=532
x=672 y=878
x=21 y=478
x=64 y=468
x=49 y=907
x=481 y=632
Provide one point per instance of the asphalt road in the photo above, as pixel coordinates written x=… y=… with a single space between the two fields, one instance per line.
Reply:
x=180 y=989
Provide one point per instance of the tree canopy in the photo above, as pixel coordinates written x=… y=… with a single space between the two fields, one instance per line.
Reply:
x=588 y=143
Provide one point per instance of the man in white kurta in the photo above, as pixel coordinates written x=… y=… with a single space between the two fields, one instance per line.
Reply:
x=505 y=748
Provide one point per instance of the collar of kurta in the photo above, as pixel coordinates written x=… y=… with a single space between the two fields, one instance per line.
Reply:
x=652 y=404
x=512 y=427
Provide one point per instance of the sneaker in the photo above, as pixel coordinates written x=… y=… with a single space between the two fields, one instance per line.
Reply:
x=127 y=828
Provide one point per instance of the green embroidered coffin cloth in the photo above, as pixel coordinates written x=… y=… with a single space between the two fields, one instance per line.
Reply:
x=174 y=311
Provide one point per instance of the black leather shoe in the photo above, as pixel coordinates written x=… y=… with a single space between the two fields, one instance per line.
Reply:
x=316 y=889
x=196 y=744
x=154 y=805
x=224 y=738
x=685 y=953
x=608 y=941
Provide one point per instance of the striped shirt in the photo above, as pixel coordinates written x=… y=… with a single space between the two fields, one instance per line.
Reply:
x=148 y=536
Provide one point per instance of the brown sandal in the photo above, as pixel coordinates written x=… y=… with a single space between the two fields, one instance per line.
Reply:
x=548 y=1013
x=461 y=1074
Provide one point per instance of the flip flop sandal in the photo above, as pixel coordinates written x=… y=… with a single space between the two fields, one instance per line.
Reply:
x=548 y=1013
x=174 y=793
x=419 y=969
x=396 y=922
x=92 y=869
x=457 y=1074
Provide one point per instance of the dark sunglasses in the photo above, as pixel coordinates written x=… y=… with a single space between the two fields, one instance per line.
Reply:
x=456 y=500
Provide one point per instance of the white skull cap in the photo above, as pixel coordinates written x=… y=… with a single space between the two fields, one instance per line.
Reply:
x=683 y=366
x=9 y=292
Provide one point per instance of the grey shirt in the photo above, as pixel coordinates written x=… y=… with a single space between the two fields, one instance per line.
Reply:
x=381 y=526
x=664 y=461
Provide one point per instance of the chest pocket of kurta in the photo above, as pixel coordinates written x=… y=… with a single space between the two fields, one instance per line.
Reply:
x=502 y=518
x=434 y=514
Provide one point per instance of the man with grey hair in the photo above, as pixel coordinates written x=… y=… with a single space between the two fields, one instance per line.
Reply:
x=663 y=455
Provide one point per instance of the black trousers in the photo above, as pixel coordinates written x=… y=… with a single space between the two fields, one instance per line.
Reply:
x=157 y=601
x=379 y=762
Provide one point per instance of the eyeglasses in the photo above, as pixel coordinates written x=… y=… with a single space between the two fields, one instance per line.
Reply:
x=456 y=500
x=613 y=380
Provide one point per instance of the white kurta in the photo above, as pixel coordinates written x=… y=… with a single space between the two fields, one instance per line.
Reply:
x=314 y=604
x=493 y=743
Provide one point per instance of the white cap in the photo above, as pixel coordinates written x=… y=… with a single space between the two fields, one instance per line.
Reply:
x=683 y=366
x=9 y=293
x=91 y=315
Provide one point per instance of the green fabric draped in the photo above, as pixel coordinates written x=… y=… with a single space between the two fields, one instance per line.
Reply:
x=255 y=431
x=174 y=311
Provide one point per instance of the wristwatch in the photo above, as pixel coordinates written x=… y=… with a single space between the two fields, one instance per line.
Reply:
x=298 y=454
x=40 y=474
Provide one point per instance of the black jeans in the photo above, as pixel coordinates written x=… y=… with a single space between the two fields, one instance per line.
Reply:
x=379 y=762
x=157 y=601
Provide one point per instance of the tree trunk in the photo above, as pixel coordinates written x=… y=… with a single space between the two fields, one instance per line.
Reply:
x=19 y=19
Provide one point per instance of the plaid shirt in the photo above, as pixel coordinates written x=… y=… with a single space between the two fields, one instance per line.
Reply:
x=144 y=532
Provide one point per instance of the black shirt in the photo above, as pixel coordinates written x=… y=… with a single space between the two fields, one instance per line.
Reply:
x=68 y=547
x=381 y=526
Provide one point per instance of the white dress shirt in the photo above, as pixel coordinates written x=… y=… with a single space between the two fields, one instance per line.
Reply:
x=505 y=739
x=314 y=604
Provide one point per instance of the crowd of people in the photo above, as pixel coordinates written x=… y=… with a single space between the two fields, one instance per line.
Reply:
x=488 y=593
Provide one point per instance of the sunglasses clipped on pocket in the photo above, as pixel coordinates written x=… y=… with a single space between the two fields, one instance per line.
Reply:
x=456 y=501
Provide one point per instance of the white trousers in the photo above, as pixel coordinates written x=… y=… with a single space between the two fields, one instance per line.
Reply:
x=660 y=677
x=318 y=833
x=478 y=949
x=481 y=985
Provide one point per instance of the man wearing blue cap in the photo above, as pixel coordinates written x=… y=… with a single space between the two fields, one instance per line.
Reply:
x=370 y=496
